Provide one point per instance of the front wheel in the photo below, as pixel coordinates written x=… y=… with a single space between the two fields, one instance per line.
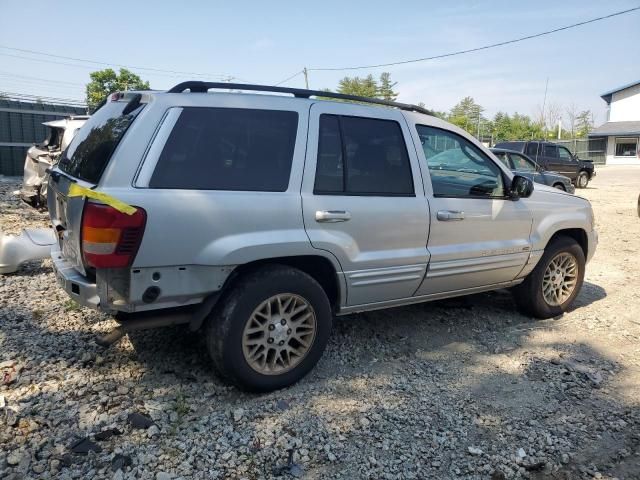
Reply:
x=583 y=179
x=270 y=330
x=552 y=286
x=560 y=186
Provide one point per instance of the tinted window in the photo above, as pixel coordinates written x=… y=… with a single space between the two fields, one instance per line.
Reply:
x=502 y=156
x=362 y=156
x=533 y=149
x=329 y=170
x=90 y=150
x=565 y=155
x=521 y=164
x=551 y=151
x=457 y=167
x=228 y=149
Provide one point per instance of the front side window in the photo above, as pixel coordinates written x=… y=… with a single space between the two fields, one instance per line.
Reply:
x=522 y=164
x=457 y=167
x=565 y=155
x=362 y=156
x=626 y=147
x=228 y=149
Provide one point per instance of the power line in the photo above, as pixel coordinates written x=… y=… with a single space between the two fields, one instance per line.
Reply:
x=106 y=64
x=289 y=78
x=31 y=98
x=9 y=74
x=485 y=47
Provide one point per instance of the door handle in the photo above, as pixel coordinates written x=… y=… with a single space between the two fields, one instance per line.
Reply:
x=332 y=216
x=450 y=215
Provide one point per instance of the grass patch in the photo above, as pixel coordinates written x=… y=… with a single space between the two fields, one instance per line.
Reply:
x=71 y=306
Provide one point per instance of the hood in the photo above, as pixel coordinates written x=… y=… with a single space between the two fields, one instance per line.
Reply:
x=547 y=190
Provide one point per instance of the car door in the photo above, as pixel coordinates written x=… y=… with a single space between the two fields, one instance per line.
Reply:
x=552 y=160
x=363 y=200
x=568 y=164
x=478 y=236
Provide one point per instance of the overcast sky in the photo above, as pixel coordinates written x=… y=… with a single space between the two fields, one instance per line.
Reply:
x=266 y=42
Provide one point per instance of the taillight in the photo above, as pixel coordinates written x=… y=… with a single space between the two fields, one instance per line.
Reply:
x=110 y=239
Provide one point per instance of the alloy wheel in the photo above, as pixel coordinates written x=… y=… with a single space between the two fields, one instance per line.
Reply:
x=279 y=334
x=560 y=279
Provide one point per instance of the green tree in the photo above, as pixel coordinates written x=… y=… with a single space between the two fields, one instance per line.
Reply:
x=362 y=87
x=385 y=90
x=369 y=87
x=584 y=123
x=467 y=114
x=107 y=81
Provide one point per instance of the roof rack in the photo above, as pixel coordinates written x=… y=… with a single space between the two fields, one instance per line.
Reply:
x=196 y=86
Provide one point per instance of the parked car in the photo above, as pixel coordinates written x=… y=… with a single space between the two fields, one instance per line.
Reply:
x=256 y=218
x=520 y=164
x=556 y=158
x=42 y=156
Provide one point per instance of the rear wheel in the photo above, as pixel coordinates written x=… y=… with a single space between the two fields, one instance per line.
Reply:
x=582 y=180
x=560 y=186
x=271 y=328
x=555 y=282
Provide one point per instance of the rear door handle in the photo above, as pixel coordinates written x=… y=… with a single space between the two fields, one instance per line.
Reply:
x=332 y=216
x=450 y=215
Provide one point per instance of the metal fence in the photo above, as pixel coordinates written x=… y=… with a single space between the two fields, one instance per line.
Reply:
x=594 y=149
x=21 y=126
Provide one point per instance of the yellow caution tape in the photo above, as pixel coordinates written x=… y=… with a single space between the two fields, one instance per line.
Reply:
x=76 y=190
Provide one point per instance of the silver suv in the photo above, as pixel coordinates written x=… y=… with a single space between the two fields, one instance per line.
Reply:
x=257 y=218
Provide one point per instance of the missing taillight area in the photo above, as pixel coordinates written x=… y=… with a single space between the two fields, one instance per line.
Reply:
x=110 y=239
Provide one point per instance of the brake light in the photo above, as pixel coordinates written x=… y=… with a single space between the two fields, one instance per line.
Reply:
x=110 y=239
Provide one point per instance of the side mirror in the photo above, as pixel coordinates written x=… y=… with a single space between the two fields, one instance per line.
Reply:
x=521 y=187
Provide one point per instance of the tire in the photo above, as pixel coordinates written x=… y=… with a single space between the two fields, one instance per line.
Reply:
x=229 y=328
x=560 y=186
x=529 y=295
x=583 y=179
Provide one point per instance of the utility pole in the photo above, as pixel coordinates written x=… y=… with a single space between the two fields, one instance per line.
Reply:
x=306 y=77
x=544 y=104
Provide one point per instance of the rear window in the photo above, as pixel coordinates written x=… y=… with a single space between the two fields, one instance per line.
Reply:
x=228 y=149
x=92 y=147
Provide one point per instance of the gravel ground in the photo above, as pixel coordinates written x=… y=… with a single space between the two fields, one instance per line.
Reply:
x=463 y=388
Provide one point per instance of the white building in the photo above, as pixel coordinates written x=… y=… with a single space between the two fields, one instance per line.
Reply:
x=622 y=129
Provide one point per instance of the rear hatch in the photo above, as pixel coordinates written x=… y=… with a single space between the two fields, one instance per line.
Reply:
x=84 y=162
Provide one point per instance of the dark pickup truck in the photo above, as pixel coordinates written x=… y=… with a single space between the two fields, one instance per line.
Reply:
x=556 y=158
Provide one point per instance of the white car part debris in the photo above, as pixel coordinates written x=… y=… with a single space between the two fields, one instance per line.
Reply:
x=31 y=244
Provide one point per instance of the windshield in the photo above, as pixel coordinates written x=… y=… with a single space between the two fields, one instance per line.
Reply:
x=92 y=147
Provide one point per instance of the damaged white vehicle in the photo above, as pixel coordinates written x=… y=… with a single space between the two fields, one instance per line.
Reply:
x=42 y=156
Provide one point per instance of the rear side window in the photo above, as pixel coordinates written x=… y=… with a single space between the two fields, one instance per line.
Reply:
x=533 y=149
x=362 y=156
x=551 y=151
x=228 y=149
x=90 y=150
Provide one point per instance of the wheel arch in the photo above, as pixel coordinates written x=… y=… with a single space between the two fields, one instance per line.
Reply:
x=318 y=267
x=578 y=234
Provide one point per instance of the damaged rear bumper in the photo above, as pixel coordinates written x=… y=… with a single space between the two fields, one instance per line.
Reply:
x=78 y=287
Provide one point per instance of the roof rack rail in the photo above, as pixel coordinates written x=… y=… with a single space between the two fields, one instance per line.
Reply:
x=197 y=86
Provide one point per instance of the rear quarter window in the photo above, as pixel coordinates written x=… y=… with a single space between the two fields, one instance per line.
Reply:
x=228 y=149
